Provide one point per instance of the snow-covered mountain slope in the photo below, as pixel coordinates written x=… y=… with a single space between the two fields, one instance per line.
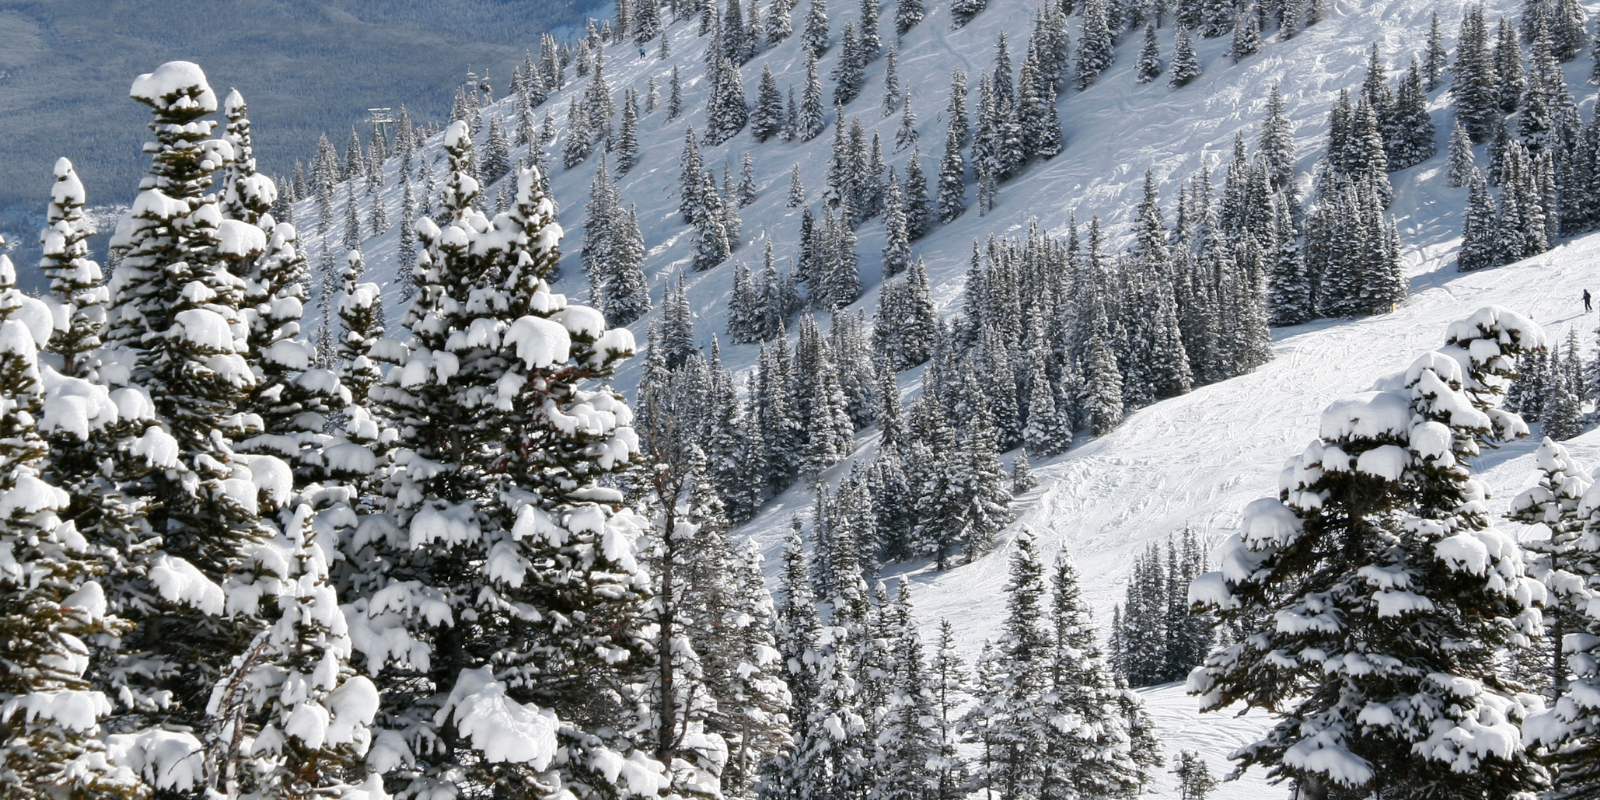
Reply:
x=1195 y=460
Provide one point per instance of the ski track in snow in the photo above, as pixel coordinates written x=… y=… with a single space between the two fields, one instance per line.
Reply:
x=1191 y=461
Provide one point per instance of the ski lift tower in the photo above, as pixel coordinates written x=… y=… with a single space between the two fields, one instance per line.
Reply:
x=383 y=124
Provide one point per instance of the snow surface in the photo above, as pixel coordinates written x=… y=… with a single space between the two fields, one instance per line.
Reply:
x=1197 y=460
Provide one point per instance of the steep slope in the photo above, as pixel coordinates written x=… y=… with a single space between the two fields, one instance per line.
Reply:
x=1192 y=461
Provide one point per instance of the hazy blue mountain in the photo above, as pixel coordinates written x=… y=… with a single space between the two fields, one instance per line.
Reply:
x=305 y=66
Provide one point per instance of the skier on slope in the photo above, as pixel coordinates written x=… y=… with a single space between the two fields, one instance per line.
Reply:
x=1588 y=302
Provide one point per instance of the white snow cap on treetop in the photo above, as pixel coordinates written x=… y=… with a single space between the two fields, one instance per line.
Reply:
x=233 y=101
x=454 y=134
x=67 y=186
x=175 y=84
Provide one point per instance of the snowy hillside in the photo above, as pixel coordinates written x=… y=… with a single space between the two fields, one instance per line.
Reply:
x=1193 y=461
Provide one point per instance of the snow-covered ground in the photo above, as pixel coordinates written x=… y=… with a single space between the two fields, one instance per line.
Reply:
x=1191 y=461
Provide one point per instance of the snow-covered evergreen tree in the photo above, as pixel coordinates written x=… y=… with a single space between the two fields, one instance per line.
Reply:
x=174 y=311
x=1338 y=555
x=1149 y=66
x=814 y=37
x=767 y=119
x=1185 y=62
x=952 y=183
x=810 y=122
x=75 y=280
x=519 y=526
x=54 y=604
x=962 y=11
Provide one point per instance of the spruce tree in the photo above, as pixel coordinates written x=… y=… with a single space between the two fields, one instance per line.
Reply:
x=797 y=190
x=54 y=602
x=1475 y=83
x=1434 y=55
x=674 y=93
x=1013 y=710
x=627 y=295
x=897 y=237
x=1328 y=565
x=919 y=211
x=1149 y=65
x=767 y=119
x=907 y=13
x=1097 y=756
x=75 y=280
x=952 y=183
x=628 y=137
x=473 y=551
x=906 y=134
x=911 y=739
x=1185 y=62
x=962 y=11
x=1460 y=162
x=848 y=74
x=726 y=113
x=814 y=37
x=174 y=300
x=810 y=122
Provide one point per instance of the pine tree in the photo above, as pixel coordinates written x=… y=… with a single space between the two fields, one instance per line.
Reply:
x=1434 y=55
x=627 y=295
x=1562 y=405
x=1097 y=756
x=907 y=13
x=75 y=280
x=1048 y=431
x=897 y=237
x=810 y=122
x=909 y=741
x=474 y=550
x=797 y=190
x=174 y=297
x=1321 y=532
x=848 y=75
x=747 y=180
x=767 y=119
x=1557 y=562
x=1149 y=65
x=1185 y=62
x=1194 y=777
x=1548 y=122
x=1103 y=390
x=726 y=113
x=628 y=137
x=1479 y=229
x=919 y=211
x=677 y=320
x=1013 y=709
x=599 y=231
x=1460 y=161
x=54 y=602
x=713 y=239
x=978 y=481
x=1216 y=18
x=674 y=93
x=814 y=37
x=952 y=184
x=962 y=11
x=905 y=134
x=891 y=82
x=1475 y=86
